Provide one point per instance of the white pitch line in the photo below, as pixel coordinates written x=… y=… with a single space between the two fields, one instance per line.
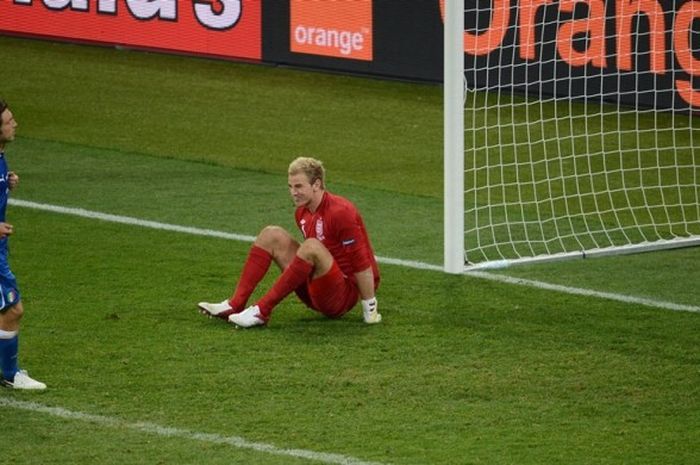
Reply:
x=585 y=292
x=129 y=220
x=390 y=261
x=152 y=428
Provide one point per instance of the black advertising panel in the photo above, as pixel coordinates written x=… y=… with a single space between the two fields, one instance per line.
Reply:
x=637 y=52
x=643 y=53
x=405 y=36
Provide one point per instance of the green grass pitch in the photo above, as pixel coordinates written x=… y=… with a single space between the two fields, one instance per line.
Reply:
x=462 y=371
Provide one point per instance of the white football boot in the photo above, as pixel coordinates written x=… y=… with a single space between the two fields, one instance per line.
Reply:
x=221 y=310
x=248 y=318
x=369 y=311
x=23 y=381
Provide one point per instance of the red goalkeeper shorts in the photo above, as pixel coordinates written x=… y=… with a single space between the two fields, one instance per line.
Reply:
x=332 y=294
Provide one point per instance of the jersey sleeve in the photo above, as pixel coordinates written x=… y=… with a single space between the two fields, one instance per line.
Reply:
x=351 y=236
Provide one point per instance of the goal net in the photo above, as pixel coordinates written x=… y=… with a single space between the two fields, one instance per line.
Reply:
x=578 y=136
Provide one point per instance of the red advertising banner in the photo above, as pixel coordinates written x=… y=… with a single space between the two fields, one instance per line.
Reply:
x=226 y=28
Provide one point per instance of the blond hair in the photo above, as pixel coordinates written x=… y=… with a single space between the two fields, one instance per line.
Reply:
x=312 y=168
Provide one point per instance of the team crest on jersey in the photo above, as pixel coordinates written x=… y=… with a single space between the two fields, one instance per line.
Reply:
x=319 y=229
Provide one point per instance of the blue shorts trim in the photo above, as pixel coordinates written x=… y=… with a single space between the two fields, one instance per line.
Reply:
x=9 y=292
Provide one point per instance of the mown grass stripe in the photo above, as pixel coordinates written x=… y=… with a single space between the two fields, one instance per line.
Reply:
x=586 y=292
x=385 y=260
x=158 y=430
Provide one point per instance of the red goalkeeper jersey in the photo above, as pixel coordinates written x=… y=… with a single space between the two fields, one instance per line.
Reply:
x=339 y=226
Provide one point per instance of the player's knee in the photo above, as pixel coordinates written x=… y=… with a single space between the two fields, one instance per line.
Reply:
x=14 y=313
x=271 y=235
x=310 y=248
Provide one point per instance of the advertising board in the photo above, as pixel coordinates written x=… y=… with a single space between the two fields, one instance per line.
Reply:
x=226 y=28
x=638 y=52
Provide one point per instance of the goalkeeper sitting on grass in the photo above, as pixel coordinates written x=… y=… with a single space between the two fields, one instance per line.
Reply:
x=330 y=270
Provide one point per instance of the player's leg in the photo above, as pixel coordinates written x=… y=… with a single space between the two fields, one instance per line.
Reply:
x=312 y=259
x=314 y=252
x=12 y=376
x=9 y=340
x=273 y=243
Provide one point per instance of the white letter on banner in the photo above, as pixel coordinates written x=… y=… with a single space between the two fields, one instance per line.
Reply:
x=300 y=35
x=147 y=9
x=63 y=4
x=228 y=15
x=107 y=6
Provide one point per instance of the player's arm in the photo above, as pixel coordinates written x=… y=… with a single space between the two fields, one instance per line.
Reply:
x=12 y=180
x=365 y=283
x=350 y=235
x=6 y=229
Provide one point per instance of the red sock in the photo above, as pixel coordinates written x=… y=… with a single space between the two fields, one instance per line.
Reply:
x=256 y=265
x=294 y=276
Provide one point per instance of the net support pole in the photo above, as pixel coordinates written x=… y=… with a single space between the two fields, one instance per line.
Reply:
x=453 y=93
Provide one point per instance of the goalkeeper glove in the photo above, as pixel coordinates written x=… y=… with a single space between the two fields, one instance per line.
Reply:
x=369 y=311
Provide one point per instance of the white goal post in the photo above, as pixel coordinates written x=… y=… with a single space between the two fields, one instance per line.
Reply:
x=569 y=129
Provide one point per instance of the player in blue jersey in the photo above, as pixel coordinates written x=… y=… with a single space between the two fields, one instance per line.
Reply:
x=11 y=308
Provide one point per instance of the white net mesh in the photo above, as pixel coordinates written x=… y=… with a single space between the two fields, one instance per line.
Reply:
x=574 y=141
